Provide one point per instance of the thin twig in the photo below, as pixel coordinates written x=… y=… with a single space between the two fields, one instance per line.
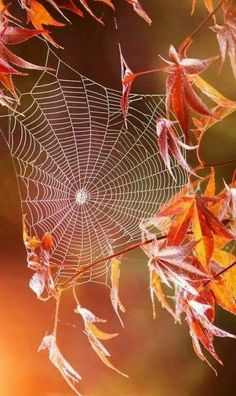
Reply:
x=224 y=163
x=57 y=313
x=128 y=249
x=219 y=274
x=189 y=39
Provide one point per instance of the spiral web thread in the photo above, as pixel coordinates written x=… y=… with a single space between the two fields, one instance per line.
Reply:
x=83 y=175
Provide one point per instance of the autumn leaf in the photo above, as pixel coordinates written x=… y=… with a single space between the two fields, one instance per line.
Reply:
x=222 y=286
x=224 y=107
x=114 y=294
x=30 y=242
x=172 y=264
x=199 y=316
x=180 y=95
x=180 y=225
x=208 y=4
x=167 y=141
x=47 y=242
x=69 y=374
x=68 y=5
x=88 y=9
x=139 y=10
x=95 y=335
x=13 y=35
x=211 y=185
x=38 y=282
x=127 y=77
x=226 y=36
x=40 y=17
x=156 y=290
x=191 y=213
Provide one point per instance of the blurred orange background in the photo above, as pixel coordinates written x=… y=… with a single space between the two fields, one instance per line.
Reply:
x=157 y=355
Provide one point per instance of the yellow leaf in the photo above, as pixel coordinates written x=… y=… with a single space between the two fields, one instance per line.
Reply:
x=212 y=93
x=211 y=185
x=99 y=333
x=155 y=288
x=30 y=242
x=223 y=294
x=201 y=233
x=40 y=17
x=106 y=361
x=114 y=295
x=223 y=258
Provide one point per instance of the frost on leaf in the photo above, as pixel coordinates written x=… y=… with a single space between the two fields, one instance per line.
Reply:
x=38 y=259
x=127 y=77
x=69 y=374
x=168 y=142
x=180 y=95
x=139 y=10
x=226 y=36
x=200 y=315
x=38 y=282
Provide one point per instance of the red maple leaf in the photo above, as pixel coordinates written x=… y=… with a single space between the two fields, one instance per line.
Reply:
x=180 y=95
x=168 y=142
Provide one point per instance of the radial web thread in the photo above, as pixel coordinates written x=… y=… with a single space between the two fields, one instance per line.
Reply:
x=83 y=175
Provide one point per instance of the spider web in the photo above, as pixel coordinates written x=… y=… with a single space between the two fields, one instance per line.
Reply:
x=82 y=174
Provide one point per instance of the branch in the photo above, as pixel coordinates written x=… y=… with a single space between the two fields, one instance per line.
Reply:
x=128 y=249
x=185 y=44
x=206 y=165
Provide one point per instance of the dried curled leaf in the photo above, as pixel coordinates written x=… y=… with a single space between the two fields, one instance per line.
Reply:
x=199 y=316
x=226 y=36
x=156 y=290
x=69 y=374
x=40 y=17
x=95 y=335
x=127 y=77
x=208 y=4
x=38 y=282
x=139 y=10
x=30 y=242
x=114 y=294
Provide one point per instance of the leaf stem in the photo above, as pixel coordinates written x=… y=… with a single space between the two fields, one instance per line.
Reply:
x=190 y=38
x=219 y=274
x=158 y=69
x=57 y=313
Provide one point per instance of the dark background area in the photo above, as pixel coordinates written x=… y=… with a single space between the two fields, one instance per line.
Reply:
x=157 y=355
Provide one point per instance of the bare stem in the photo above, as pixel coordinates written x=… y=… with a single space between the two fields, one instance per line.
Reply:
x=57 y=312
x=206 y=165
x=75 y=295
x=190 y=38
x=158 y=69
